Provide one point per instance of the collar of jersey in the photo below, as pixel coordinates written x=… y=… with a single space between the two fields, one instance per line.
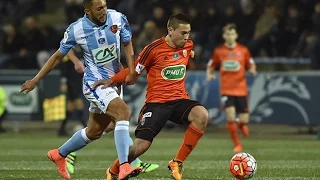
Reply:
x=93 y=25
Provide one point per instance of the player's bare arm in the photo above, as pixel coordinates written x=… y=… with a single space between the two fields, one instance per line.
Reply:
x=29 y=85
x=210 y=74
x=120 y=77
x=253 y=69
x=128 y=50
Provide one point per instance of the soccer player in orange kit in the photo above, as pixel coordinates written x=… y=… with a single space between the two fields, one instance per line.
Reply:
x=234 y=59
x=165 y=61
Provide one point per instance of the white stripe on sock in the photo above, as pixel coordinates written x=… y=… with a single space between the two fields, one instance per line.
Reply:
x=122 y=125
x=84 y=136
x=122 y=122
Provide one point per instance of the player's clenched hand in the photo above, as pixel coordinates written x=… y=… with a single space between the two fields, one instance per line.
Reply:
x=131 y=79
x=28 y=86
x=79 y=67
x=210 y=77
x=105 y=83
x=253 y=71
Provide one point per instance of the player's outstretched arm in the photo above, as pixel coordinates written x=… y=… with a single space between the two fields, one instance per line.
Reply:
x=120 y=77
x=131 y=78
x=48 y=66
x=210 y=74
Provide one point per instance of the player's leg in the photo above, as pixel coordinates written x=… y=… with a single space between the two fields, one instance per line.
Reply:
x=232 y=127
x=98 y=122
x=120 y=112
x=146 y=167
x=96 y=126
x=78 y=106
x=153 y=118
x=242 y=109
x=192 y=113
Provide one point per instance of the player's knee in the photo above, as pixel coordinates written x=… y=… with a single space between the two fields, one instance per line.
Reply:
x=244 y=118
x=200 y=117
x=124 y=113
x=230 y=113
x=203 y=118
x=230 y=117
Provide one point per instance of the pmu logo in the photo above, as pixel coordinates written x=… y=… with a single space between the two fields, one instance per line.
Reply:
x=275 y=97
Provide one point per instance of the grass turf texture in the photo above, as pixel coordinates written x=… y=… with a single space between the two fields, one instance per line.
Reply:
x=290 y=156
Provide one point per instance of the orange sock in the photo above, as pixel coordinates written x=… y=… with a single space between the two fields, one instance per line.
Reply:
x=115 y=167
x=233 y=130
x=244 y=128
x=241 y=124
x=191 y=138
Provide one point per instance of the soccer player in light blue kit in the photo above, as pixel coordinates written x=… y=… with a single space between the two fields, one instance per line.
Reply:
x=99 y=34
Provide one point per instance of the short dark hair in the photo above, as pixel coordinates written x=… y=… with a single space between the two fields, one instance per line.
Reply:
x=87 y=3
x=229 y=27
x=176 y=19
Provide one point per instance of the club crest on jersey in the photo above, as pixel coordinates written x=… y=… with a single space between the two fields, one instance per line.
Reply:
x=175 y=56
x=101 y=40
x=114 y=28
x=185 y=53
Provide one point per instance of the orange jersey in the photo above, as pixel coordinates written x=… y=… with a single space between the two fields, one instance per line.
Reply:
x=233 y=64
x=166 y=70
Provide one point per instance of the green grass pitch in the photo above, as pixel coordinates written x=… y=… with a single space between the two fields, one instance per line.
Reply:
x=23 y=156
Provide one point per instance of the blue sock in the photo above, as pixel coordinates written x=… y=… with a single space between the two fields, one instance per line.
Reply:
x=121 y=137
x=76 y=142
x=137 y=161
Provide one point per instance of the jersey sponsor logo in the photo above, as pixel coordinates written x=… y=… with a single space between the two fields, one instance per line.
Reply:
x=139 y=68
x=185 y=53
x=114 y=28
x=147 y=114
x=174 y=72
x=109 y=93
x=230 y=65
x=105 y=54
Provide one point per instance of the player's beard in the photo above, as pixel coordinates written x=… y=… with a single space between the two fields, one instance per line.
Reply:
x=98 y=22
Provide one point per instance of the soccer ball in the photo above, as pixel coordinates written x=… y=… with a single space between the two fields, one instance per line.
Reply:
x=243 y=166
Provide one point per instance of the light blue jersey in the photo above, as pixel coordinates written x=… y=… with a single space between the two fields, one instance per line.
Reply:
x=100 y=44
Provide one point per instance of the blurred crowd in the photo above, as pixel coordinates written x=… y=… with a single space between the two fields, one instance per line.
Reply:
x=272 y=28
